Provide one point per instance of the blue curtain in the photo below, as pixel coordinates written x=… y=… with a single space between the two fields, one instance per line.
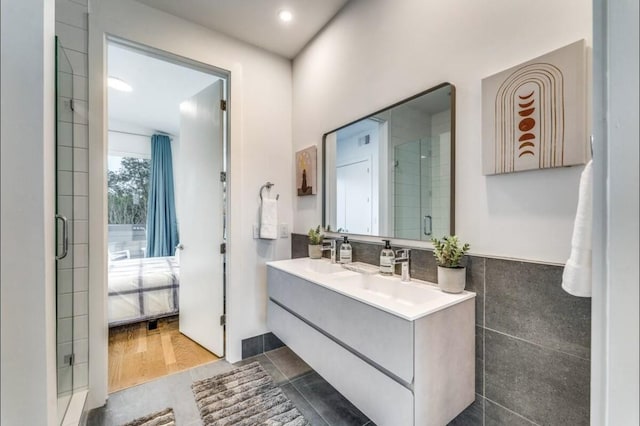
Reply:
x=162 y=226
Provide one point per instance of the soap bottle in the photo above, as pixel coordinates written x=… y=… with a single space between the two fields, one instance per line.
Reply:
x=345 y=250
x=387 y=257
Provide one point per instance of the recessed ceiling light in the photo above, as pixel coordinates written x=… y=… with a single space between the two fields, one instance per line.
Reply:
x=116 y=83
x=285 y=15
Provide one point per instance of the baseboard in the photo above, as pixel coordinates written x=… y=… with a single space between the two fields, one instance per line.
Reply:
x=259 y=344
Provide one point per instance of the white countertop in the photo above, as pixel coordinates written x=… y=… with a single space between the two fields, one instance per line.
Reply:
x=406 y=300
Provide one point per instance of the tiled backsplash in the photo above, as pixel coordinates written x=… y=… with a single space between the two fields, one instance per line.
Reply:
x=532 y=338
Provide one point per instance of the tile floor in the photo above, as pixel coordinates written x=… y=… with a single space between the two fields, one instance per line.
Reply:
x=316 y=399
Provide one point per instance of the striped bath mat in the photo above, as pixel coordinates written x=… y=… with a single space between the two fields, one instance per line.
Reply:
x=245 y=396
x=161 y=418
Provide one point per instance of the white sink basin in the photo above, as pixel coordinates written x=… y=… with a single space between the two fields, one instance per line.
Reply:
x=407 y=300
x=321 y=266
x=392 y=288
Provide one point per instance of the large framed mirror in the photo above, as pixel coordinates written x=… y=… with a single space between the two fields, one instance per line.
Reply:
x=392 y=173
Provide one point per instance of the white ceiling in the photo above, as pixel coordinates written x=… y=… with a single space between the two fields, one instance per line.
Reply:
x=256 y=21
x=159 y=86
x=158 y=89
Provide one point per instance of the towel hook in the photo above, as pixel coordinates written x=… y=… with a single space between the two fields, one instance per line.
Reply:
x=267 y=185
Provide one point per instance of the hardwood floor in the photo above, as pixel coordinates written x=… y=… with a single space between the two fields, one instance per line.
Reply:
x=137 y=355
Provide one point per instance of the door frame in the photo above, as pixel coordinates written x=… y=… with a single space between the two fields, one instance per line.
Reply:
x=99 y=39
x=208 y=69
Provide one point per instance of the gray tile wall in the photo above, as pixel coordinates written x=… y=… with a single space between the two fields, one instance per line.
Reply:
x=299 y=245
x=532 y=339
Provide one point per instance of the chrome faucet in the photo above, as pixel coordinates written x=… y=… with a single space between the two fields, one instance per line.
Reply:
x=331 y=246
x=403 y=256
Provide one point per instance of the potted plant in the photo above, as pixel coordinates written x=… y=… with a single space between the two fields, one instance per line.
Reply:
x=315 y=242
x=449 y=253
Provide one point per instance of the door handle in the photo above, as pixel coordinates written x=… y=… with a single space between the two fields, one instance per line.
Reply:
x=65 y=237
x=427 y=220
x=180 y=247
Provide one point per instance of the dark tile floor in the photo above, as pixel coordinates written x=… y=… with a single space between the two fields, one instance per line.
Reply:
x=316 y=399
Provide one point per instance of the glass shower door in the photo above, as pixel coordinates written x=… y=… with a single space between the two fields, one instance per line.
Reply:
x=64 y=230
x=421 y=188
x=437 y=210
x=429 y=190
x=406 y=181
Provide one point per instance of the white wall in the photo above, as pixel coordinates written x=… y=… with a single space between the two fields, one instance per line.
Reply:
x=615 y=355
x=131 y=145
x=126 y=145
x=377 y=52
x=28 y=369
x=260 y=149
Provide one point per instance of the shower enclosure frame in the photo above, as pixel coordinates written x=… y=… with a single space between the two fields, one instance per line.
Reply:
x=71 y=208
x=64 y=202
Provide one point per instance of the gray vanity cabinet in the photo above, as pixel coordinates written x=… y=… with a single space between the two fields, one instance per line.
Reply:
x=383 y=338
x=396 y=371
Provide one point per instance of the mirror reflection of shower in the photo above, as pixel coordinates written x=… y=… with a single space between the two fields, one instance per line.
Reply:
x=390 y=174
x=421 y=188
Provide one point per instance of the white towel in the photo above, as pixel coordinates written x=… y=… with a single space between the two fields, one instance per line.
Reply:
x=576 y=278
x=269 y=219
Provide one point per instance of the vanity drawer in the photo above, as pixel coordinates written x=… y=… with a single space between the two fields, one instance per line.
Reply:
x=384 y=340
x=380 y=398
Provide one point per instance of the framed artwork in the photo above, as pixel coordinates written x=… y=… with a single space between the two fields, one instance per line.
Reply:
x=306 y=171
x=534 y=114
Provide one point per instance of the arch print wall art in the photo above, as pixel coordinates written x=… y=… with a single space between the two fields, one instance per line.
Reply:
x=534 y=114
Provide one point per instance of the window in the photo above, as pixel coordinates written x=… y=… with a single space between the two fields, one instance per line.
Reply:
x=128 y=188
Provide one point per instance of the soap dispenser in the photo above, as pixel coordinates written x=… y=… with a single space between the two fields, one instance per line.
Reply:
x=345 y=250
x=387 y=257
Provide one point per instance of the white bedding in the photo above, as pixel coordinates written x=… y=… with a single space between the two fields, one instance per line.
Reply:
x=141 y=289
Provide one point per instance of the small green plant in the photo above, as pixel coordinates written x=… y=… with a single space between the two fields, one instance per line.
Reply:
x=448 y=252
x=315 y=236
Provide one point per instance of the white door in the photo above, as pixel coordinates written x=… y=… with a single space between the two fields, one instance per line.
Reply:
x=353 y=182
x=200 y=218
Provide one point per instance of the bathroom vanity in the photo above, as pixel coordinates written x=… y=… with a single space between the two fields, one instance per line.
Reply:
x=403 y=353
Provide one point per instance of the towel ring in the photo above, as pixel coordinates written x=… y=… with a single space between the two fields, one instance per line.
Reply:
x=267 y=185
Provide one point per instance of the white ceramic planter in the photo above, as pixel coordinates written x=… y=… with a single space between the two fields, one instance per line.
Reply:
x=451 y=280
x=315 y=251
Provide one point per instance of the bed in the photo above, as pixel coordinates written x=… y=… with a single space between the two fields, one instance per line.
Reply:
x=142 y=289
